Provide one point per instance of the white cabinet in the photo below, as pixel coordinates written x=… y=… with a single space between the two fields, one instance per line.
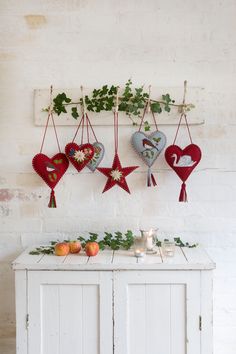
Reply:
x=70 y=312
x=160 y=311
x=114 y=303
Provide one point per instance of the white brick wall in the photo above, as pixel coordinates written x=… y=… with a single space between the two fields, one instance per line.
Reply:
x=74 y=42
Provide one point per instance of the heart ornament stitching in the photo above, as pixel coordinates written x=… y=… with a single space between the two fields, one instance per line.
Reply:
x=79 y=155
x=50 y=170
x=183 y=162
x=99 y=152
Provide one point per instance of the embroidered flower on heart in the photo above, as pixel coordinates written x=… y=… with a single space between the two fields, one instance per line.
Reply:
x=87 y=151
x=116 y=175
x=79 y=156
x=72 y=152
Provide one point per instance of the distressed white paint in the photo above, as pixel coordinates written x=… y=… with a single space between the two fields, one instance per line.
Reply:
x=99 y=306
x=96 y=42
x=121 y=259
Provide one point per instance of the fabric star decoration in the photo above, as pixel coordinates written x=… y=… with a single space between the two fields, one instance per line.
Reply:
x=116 y=174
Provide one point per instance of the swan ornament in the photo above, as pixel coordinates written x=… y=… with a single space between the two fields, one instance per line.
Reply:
x=184 y=161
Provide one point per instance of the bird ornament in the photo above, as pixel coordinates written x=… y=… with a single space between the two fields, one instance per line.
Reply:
x=148 y=146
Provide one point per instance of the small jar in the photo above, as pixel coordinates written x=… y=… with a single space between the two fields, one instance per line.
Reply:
x=168 y=248
x=139 y=246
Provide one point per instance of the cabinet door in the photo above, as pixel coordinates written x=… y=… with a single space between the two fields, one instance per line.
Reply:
x=70 y=312
x=157 y=312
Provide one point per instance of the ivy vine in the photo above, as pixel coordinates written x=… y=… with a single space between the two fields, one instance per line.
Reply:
x=115 y=241
x=131 y=101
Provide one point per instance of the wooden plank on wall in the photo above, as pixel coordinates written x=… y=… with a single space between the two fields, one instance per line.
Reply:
x=195 y=95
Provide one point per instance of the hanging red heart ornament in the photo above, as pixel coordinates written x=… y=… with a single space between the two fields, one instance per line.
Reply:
x=79 y=155
x=183 y=163
x=50 y=170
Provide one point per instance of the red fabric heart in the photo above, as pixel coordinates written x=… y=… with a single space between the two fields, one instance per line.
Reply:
x=79 y=155
x=50 y=169
x=183 y=163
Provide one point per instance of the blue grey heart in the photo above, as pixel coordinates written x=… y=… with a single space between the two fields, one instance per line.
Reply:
x=149 y=146
x=97 y=157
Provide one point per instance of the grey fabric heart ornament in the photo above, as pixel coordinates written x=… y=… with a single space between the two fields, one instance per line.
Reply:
x=99 y=151
x=149 y=148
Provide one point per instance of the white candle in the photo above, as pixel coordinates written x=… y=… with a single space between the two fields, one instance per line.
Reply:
x=138 y=253
x=149 y=242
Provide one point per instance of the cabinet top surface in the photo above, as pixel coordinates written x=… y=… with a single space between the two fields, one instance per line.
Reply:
x=184 y=258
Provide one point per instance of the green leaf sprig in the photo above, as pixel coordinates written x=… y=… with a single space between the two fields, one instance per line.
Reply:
x=114 y=241
x=178 y=242
x=131 y=101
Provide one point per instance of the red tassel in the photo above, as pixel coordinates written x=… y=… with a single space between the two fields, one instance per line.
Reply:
x=52 y=202
x=150 y=178
x=153 y=180
x=183 y=193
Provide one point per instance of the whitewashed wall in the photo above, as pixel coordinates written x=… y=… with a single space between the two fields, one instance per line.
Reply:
x=162 y=42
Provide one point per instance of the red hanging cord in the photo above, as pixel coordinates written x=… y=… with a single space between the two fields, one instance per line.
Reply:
x=91 y=127
x=116 y=131
x=50 y=115
x=190 y=137
x=116 y=120
x=150 y=177
x=45 y=130
x=55 y=132
x=87 y=126
x=144 y=112
x=82 y=135
x=177 y=131
x=77 y=129
x=183 y=114
x=154 y=118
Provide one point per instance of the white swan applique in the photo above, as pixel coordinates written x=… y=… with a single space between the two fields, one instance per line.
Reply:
x=184 y=161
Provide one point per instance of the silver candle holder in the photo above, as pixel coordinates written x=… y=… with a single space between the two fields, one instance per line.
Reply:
x=139 y=246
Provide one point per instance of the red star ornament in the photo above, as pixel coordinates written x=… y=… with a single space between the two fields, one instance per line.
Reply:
x=116 y=174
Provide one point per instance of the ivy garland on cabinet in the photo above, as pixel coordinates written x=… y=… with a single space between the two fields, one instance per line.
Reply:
x=114 y=241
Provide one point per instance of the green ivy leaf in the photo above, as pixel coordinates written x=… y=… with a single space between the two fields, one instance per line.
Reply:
x=74 y=112
x=156 y=107
x=146 y=126
x=167 y=108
